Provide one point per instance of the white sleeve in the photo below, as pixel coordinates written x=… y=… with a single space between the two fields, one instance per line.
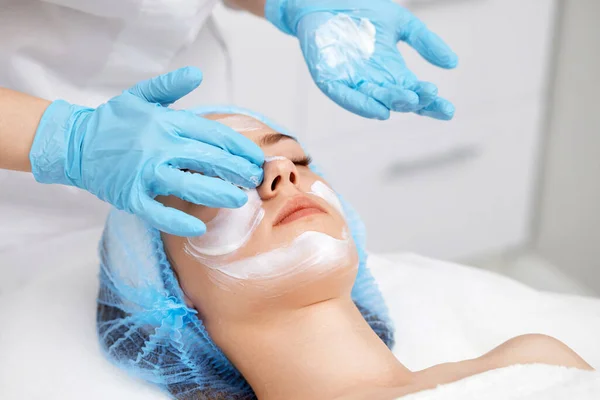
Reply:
x=102 y=8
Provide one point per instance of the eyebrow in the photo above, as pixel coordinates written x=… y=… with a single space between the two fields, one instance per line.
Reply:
x=273 y=138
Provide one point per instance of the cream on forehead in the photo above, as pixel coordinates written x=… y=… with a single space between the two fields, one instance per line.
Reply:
x=241 y=123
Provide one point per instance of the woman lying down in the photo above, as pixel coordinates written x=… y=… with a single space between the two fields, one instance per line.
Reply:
x=273 y=302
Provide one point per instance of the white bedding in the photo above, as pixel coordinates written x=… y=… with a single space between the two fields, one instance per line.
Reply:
x=520 y=382
x=447 y=312
x=443 y=312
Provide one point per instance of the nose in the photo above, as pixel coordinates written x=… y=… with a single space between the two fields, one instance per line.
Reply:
x=280 y=175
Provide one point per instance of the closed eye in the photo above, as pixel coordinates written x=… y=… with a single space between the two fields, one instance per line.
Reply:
x=302 y=162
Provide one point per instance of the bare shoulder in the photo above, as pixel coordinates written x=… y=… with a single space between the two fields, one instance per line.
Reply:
x=525 y=349
x=535 y=349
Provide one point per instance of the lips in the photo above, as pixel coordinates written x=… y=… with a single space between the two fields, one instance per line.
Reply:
x=296 y=208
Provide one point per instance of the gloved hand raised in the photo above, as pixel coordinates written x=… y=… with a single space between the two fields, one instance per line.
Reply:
x=132 y=149
x=350 y=49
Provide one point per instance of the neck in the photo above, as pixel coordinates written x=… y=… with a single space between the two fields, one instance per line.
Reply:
x=326 y=351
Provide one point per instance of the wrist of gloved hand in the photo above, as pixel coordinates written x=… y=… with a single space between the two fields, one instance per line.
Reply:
x=286 y=14
x=55 y=151
x=275 y=12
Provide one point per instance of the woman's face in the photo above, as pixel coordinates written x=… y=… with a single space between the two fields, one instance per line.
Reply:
x=271 y=254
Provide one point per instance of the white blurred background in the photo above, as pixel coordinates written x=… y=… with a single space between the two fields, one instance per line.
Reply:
x=512 y=184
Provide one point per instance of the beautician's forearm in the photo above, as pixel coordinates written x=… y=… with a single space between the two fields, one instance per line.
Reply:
x=256 y=7
x=20 y=115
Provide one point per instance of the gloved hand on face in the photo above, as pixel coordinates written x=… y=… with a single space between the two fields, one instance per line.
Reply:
x=350 y=49
x=133 y=148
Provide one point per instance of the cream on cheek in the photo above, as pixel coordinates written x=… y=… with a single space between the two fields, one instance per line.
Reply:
x=323 y=191
x=309 y=251
x=231 y=229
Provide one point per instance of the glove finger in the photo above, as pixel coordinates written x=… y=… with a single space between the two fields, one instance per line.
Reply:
x=429 y=45
x=168 y=88
x=170 y=220
x=402 y=77
x=194 y=127
x=394 y=97
x=212 y=161
x=355 y=101
x=440 y=109
x=198 y=189
x=427 y=93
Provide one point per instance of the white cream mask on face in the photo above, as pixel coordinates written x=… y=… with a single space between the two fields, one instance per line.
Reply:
x=229 y=230
x=323 y=191
x=310 y=250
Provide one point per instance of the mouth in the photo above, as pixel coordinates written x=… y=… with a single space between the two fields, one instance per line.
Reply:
x=296 y=208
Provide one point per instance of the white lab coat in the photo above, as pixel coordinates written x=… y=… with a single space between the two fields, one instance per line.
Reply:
x=87 y=51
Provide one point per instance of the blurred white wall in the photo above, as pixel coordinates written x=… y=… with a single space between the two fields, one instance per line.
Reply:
x=569 y=219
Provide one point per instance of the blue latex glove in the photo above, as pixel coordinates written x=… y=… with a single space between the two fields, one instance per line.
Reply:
x=365 y=75
x=132 y=149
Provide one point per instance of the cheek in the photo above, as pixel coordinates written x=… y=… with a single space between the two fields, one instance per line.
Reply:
x=321 y=190
x=192 y=276
x=262 y=240
x=201 y=293
x=229 y=230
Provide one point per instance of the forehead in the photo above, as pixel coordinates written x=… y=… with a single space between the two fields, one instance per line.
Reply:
x=247 y=126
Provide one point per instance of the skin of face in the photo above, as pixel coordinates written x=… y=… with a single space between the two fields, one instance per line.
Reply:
x=219 y=297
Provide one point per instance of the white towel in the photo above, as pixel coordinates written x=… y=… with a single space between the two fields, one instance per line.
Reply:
x=519 y=382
